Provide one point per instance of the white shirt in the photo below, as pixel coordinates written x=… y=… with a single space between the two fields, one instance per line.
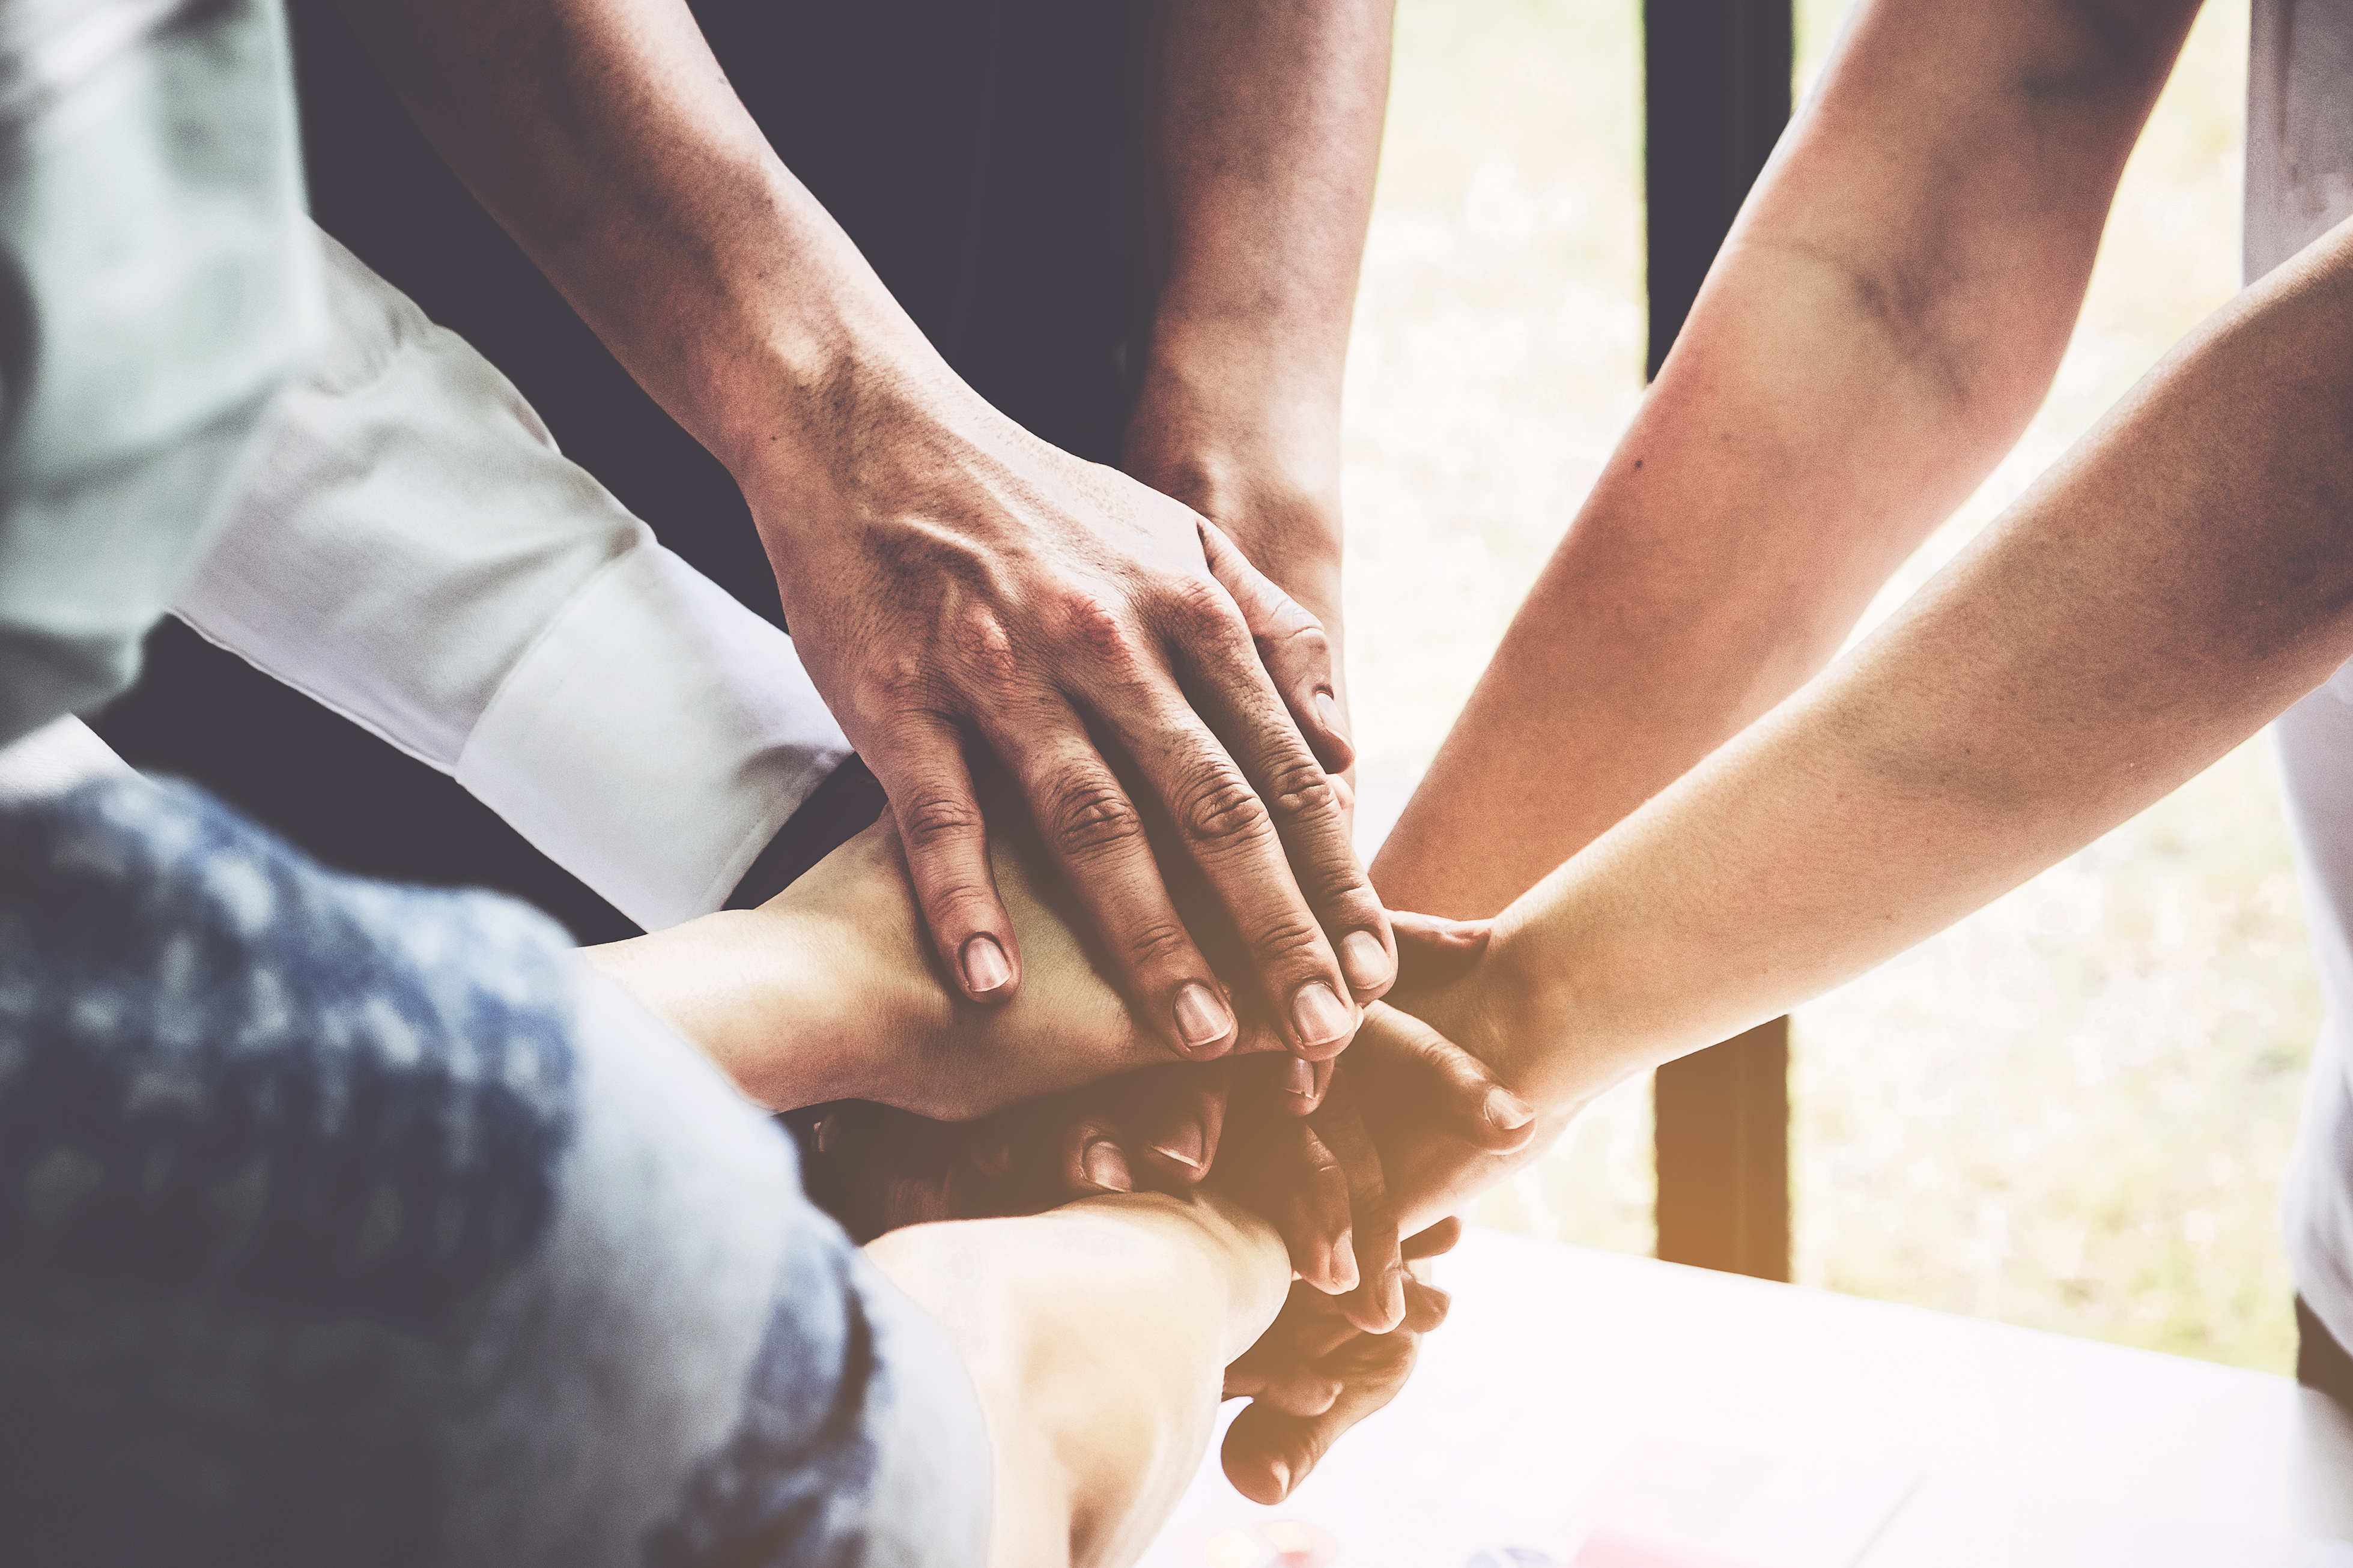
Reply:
x=411 y=550
x=2299 y=187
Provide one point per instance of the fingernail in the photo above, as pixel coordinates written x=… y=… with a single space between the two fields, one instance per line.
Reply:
x=1106 y=1167
x=1364 y=961
x=1185 y=1146
x=1508 y=1110
x=1299 y=1077
x=1319 y=1015
x=1393 y=1294
x=985 y=969
x=1201 y=1015
x=1342 y=1271
x=1281 y=1474
x=1327 y=709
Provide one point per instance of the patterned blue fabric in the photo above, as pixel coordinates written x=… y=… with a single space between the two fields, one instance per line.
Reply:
x=340 y=1224
x=222 y=1069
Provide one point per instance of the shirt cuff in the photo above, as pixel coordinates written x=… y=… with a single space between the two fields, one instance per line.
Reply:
x=653 y=740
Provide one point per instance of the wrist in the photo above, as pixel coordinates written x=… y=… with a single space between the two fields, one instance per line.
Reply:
x=1520 y=1012
x=832 y=415
x=782 y=1000
x=1261 y=460
x=1211 y=1247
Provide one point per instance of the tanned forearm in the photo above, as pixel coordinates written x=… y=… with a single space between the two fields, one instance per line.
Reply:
x=1261 y=137
x=1885 y=317
x=954 y=584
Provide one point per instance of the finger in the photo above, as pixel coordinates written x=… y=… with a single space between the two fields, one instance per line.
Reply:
x=1314 y=1335
x=1288 y=1176
x=875 y=1168
x=944 y=840
x=1181 y=1120
x=1434 y=1242
x=1288 y=1087
x=1298 y=1387
x=1434 y=951
x=1267 y=1452
x=1271 y=1352
x=1377 y=1303
x=1450 y=1084
x=1231 y=837
x=1292 y=646
x=1426 y=1307
x=1303 y=802
x=1094 y=831
x=1094 y=1163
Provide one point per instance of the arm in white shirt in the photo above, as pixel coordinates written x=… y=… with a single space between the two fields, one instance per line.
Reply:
x=411 y=550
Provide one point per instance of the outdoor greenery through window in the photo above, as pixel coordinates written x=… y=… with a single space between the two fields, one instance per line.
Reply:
x=2072 y=1111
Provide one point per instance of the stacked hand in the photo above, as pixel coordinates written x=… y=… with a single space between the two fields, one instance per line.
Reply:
x=961 y=580
x=829 y=994
x=1347 y=1338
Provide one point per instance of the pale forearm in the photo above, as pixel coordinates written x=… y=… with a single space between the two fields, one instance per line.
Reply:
x=2186 y=575
x=1261 y=138
x=1097 y=1335
x=1883 y=321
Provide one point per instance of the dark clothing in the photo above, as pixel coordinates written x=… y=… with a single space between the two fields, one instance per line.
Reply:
x=977 y=152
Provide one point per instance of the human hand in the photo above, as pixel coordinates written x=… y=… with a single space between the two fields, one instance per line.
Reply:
x=829 y=991
x=969 y=580
x=875 y=1168
x=1316 y=1372
x=1320 y=1180
x=1326 y=1182
x=1451 y=1006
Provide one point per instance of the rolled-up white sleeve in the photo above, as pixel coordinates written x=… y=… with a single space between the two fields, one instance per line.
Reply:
x=411 y=550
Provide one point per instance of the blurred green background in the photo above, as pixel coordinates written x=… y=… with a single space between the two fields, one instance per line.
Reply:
x=2072 y=1111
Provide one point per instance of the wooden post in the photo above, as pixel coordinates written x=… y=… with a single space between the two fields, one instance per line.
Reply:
x=1716 y=95
x=1722 y=1135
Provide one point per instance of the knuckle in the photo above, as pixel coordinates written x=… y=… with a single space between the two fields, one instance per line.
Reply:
x=1203 y=607
x=1156 y=943
x=940 y=822
x=896 y=683
x=1295 y=635
x=1222 y=812
x=983 y=646
x=1289 y=941
x=1298 y=789
x=1096 y=629
x=1092 y=817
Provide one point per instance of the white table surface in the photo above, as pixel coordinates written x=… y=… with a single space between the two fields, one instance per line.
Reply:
x=1564 y=1371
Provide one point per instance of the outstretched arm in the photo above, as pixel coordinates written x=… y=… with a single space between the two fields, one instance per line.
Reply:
x=1097 y=1336
x=2183 y=576
x=1884 y=319
x=946 y=573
